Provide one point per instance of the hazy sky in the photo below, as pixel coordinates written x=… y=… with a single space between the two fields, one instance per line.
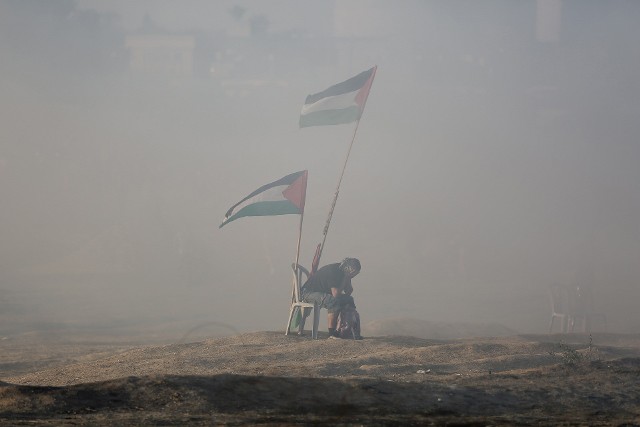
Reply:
x=206 y=15
x=496 y=156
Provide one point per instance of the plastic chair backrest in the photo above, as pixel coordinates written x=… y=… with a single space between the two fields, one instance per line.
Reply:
x=298 y=271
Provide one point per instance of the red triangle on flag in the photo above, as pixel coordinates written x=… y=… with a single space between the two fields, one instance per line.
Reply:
x=296 y=193
x=363 y=93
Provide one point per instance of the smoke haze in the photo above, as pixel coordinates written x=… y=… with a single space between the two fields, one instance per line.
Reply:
x=497 y=155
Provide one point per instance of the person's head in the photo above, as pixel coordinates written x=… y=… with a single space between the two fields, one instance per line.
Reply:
x=350 y=267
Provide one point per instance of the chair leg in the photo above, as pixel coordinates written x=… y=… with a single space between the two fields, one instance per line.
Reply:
x=286 y=331
x=316 y=321
x=304 y=313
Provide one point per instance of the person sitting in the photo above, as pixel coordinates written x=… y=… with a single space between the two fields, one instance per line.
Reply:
x=330 y=287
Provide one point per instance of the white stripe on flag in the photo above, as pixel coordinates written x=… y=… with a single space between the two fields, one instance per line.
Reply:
x=273 y=194
x=337 y=102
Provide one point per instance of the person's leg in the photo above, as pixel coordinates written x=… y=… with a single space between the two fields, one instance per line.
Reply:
x=340 y=303
x=329 y=302
x=334 y=309
x=332 y=323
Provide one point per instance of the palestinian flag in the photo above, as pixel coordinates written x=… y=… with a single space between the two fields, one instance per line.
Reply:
x=284 y=196
x=341 y=103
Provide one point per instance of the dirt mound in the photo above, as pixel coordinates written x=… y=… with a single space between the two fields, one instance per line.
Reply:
x=274 y=354
x=270 y=378
x=434 y=330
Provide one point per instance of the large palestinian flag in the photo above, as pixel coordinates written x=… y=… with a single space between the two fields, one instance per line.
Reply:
x=341 y=103
x=284 y=196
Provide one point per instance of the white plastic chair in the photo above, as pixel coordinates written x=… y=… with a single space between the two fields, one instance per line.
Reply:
x=298 y=305
x=559 y=307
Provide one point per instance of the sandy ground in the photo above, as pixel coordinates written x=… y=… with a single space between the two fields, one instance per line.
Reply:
x=268 y=378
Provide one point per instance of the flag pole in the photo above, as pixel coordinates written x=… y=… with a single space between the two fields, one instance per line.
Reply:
x=335 y=196
x=297 y=259
x=318 y=254
x=306 y=178
x=295 y=272
x=299 y=239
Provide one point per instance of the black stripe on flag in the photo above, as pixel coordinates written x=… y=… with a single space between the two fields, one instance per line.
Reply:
x=353 y=84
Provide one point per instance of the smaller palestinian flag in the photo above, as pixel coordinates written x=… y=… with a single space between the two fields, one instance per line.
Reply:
x=341 y=103
x=284 y=196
